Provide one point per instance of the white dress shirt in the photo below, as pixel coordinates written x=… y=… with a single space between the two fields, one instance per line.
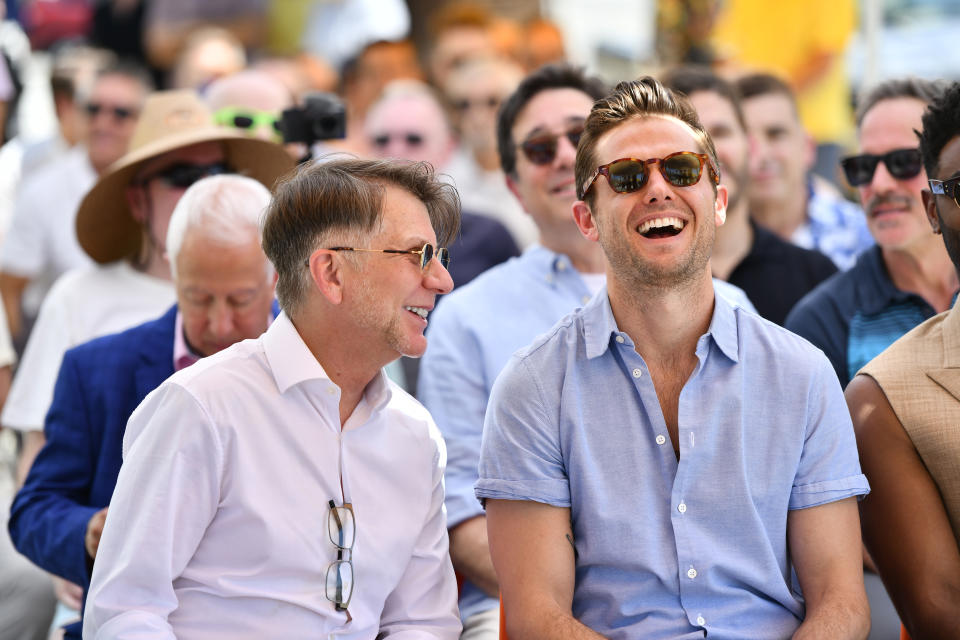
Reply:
x=218 y=525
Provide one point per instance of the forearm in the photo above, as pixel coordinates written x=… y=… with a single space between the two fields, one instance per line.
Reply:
x=470 y=554
x=838 y=618
x=547 y=622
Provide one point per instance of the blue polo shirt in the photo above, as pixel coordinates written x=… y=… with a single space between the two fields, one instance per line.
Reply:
x=854 y=315
x=668 y=548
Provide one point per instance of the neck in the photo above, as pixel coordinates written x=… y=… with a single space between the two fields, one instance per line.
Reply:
x=924 y=269
x=585 y=256
x=488 y=159
x=733 y=241
x=664 y=323
x=783 y=217
x=152 y=264
x=342 y=361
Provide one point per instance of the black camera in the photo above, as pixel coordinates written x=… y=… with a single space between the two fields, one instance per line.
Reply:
x=322 y=117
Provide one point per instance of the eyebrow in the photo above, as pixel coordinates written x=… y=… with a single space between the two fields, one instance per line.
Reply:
x=541 y=129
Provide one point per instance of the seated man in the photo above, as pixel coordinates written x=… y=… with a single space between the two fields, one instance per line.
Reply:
x=907 y=277
x=285 y=488
x=906 y=409
x=661 y=462
x=224 y=287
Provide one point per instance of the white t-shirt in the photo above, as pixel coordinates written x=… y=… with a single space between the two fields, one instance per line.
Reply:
x=218 y=526
x=83 y=304
x=41 y=241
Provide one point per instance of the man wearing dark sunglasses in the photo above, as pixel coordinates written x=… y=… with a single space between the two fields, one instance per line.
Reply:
x=907 y=277
x=661 y=461
x=906 y=406
x=122 y=224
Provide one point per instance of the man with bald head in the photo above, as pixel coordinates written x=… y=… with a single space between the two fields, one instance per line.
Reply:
x=251 y=101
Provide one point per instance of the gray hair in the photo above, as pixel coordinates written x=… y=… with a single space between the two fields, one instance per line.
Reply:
x=924 y=90
x=225 y=208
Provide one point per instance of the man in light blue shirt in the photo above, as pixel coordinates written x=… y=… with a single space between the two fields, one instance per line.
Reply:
x=475 y=330
x=663 y=464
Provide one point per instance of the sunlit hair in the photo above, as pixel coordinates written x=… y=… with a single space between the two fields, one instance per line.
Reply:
x=341 y=198
x=632 y=100
x=225 y=209
x=941 y=124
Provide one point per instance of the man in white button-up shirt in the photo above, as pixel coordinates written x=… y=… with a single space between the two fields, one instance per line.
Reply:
x=285 y=487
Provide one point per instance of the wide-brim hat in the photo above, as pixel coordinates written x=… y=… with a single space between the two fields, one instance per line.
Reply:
x=170 y=120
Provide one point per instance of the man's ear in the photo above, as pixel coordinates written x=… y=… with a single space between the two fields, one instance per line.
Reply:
x=512 y=185
x=720 y=205
x=585 y=220
x=930 y=207
x=327 y=272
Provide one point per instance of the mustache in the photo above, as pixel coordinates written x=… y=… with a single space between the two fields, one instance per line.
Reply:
x=885 y=199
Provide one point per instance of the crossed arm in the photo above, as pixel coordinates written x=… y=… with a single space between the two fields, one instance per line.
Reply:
x=905 y=526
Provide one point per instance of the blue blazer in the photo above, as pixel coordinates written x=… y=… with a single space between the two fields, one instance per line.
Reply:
x=99 y=385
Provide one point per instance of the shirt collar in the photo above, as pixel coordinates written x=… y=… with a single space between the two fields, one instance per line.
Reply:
x=600 y=327
x=547 y=261
x=291 y=363
x=183 y=355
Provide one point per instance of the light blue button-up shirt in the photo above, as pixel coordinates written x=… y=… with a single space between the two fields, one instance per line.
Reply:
x=471 y=336
x=668 y=548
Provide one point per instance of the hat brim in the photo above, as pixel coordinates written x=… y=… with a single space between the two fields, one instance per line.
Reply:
x=105 y=226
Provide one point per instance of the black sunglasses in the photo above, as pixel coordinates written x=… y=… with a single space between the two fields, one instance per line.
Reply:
x=542 y=149
x=183 y=175
x=626 y=175
x=902 y=164
x=949 y=188
x=411 y=138
x=118 y=113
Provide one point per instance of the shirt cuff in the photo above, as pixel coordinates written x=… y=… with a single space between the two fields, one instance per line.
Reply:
x=818 y=493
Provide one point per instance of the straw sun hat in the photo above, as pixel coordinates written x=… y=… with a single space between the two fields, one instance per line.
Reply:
x=170 y=120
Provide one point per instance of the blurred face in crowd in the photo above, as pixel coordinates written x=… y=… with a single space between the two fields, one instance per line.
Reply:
x=112 y=110
x=250 y=101
x=894 y=208
x=781 y=152
x=547 y=190
x=161 y=181
x=475 y=92
x=455 y=46
x=719 y=118
x=224 y=291
x=409 y=127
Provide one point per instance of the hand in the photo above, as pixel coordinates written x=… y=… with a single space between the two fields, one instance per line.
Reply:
x=68 y=593
x=94 y=530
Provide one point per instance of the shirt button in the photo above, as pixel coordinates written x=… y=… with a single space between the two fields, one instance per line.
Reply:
x=637 y=373
x=561 y=265
x=682 y=508
x=620 y=339
x=701 y=621
x=331 y=390
x=661 y=439
x=584 y=299
x=691 y=573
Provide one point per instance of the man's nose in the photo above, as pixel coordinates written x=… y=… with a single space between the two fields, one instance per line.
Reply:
x=436 y=278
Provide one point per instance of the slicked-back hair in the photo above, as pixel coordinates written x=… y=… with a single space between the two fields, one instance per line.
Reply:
x=343 y=197
x=754 y=85
x=941 y=124
x=690 y=79
x=547 y=77
x=924 y=90
x=631 y=100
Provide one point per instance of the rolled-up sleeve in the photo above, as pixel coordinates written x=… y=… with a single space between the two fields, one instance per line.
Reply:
x=167 y=494
x=829 y=468
x=521 y=457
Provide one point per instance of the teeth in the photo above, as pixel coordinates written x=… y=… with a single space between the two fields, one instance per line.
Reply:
x=658 y=223
x=420 y=311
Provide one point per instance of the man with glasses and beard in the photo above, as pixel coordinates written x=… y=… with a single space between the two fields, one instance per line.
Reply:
x=907 y=277
x=661 y=463
x=285 y=487
x=906 y=407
